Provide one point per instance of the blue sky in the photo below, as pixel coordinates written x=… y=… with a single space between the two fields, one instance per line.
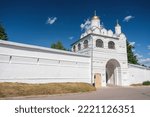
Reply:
x=25 y=21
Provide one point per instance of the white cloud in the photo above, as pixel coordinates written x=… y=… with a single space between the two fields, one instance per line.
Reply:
x=133 y=50
x=85 y=25
x=51 y=20
x=128 y=18
x=148 y=47
x=145 y=61
x=139 y=56
x=71 y=37
x=142 y=60
x=132 y=43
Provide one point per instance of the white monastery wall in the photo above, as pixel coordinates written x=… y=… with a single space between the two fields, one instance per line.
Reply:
x=138 y=74
x=33 y=64
x=98 y=52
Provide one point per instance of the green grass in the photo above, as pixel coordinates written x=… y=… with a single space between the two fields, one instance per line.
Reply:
x=8 y=89
x=146 y=83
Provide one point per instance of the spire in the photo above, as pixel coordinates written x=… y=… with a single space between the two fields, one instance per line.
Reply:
x=117 y=28
x=95 y=22
x=95 y=13
x=117 y=23
x=95 y=16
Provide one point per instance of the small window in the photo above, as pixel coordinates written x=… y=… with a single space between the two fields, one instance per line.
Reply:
x=74 y=48
x=111 y=45
x=85 y=44
x=99 y=43
x=79 y=46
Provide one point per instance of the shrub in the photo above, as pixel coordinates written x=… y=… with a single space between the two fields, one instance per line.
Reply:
x=146 y=83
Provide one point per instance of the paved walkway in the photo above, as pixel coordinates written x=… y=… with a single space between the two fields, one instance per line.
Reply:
x=108 y=93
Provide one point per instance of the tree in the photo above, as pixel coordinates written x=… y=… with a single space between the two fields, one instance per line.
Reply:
x=3 y=35
x=131 y=56
x=58 y=45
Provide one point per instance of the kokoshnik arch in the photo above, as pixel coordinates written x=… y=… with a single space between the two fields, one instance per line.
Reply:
x=99 y=57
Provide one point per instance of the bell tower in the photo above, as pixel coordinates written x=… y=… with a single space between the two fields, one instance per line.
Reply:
x=107 y=50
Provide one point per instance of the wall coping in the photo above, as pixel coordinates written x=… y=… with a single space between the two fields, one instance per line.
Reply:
x=11 y=44
x=138 y=66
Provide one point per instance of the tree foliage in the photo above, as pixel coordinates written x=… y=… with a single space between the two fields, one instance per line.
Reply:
x=58 y=45
x=131 y=56
x=3 y=35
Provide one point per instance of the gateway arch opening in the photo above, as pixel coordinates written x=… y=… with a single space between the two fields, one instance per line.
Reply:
x=113 y=73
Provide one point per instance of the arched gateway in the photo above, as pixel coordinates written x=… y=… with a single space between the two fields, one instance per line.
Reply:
x=113 y=72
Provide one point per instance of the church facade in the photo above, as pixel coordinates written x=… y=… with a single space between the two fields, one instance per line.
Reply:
x=107 y=51
x=99 y=57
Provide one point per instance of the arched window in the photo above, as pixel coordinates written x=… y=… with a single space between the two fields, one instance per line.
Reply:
x=85 y=44
x=111 y=45
x=74 y=48
x=79 y=46
x=99 y=43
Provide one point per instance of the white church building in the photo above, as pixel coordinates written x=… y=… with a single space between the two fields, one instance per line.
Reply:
x=99 y=57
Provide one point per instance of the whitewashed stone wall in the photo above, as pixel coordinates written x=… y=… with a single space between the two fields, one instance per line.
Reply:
x=34 y=64
x=138 y=74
